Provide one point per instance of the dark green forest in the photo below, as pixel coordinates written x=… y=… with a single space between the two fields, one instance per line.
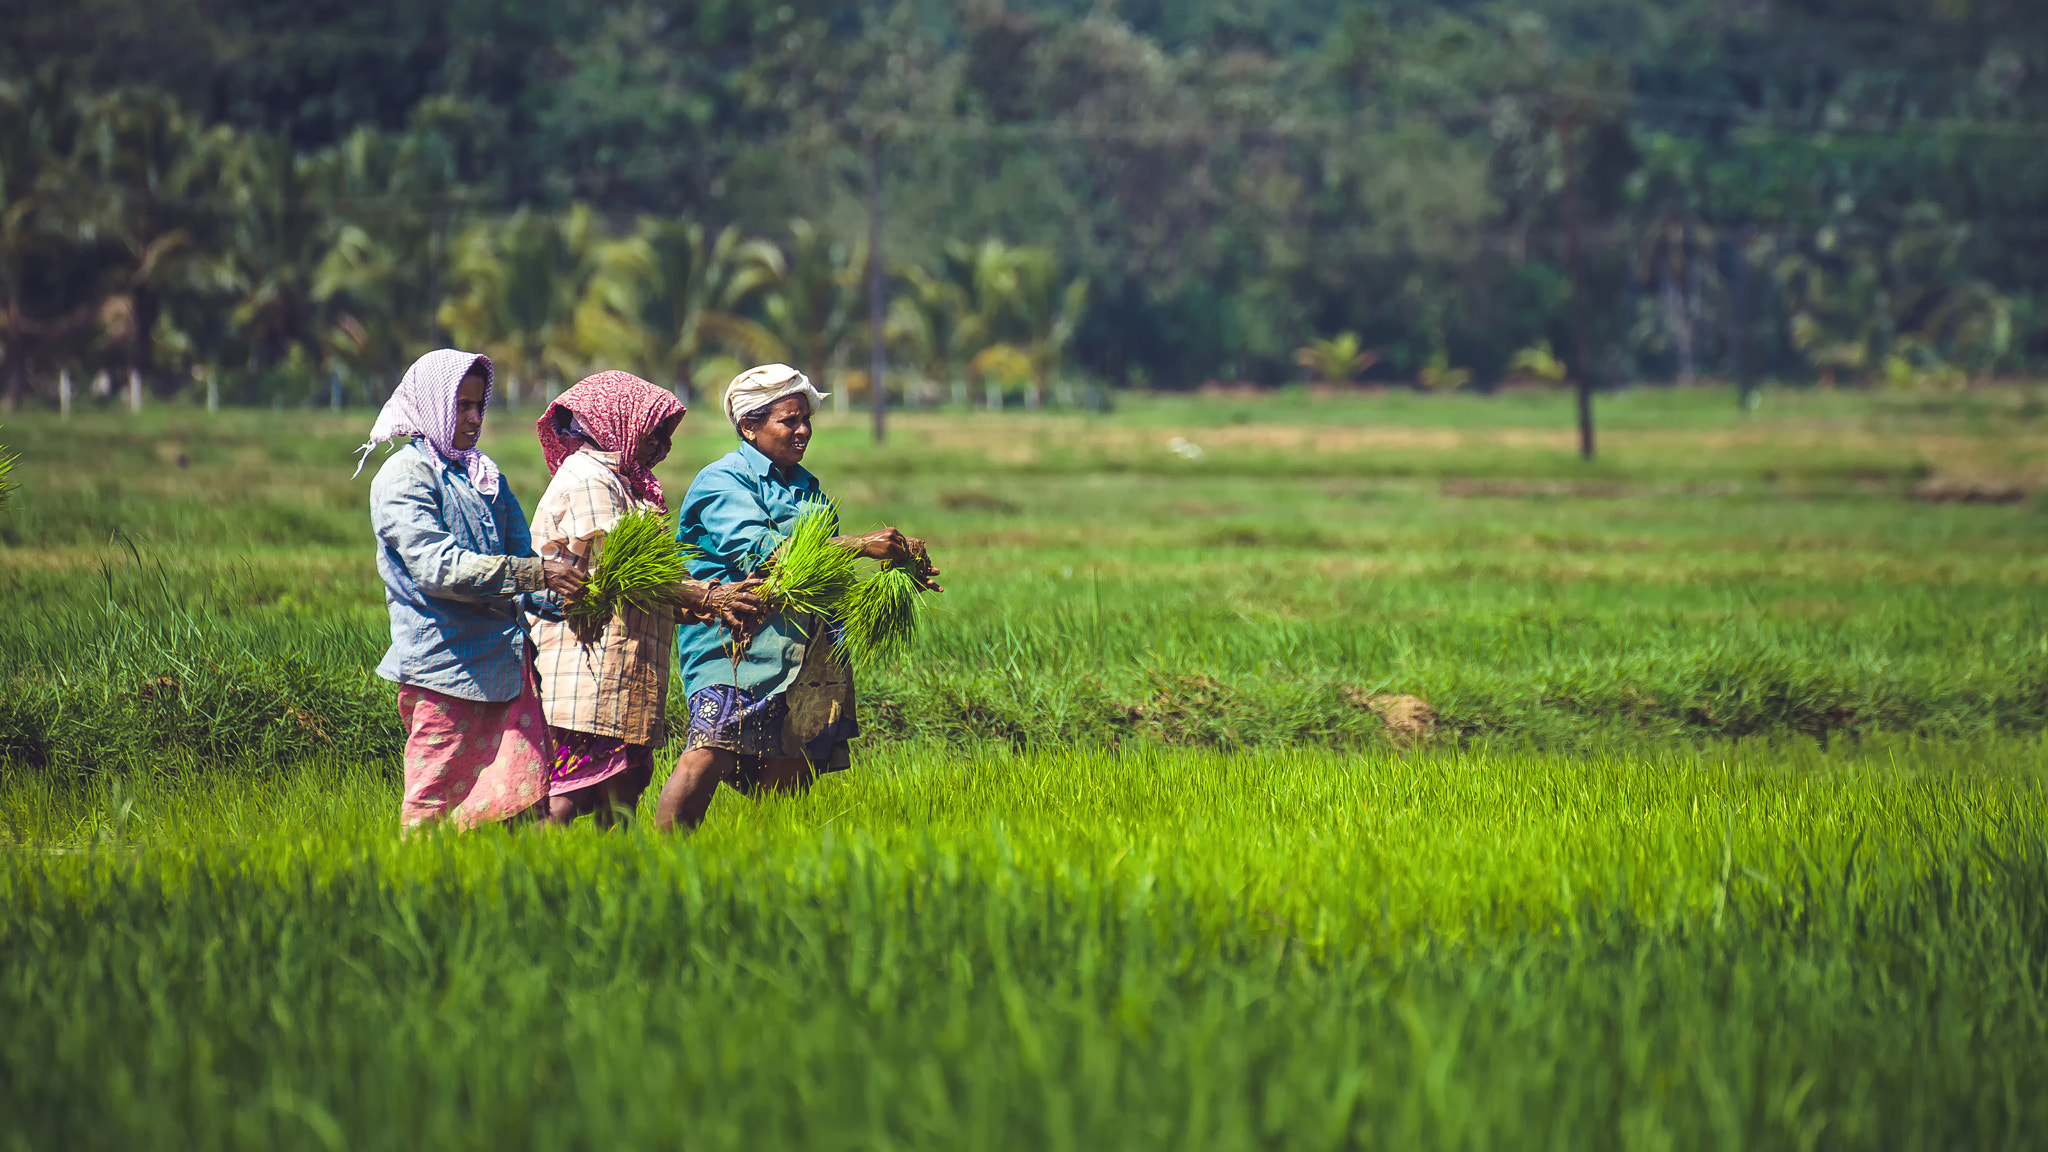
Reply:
x=285 y=202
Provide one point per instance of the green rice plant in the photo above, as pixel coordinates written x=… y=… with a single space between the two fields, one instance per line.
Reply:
x=878 y=617
x=638 y=562
x=7 y=486
x=1760 y=945
x=810 y=575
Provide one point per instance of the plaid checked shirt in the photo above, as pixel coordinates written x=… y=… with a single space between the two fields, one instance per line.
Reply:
x=618 y=685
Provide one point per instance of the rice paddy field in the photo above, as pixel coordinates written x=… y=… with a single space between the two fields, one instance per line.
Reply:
x=1716 y=818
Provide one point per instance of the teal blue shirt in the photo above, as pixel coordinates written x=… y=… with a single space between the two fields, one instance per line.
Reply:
x=737 y=512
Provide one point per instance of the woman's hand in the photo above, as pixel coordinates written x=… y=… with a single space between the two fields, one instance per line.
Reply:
x=737 y=606
x=564 y=579
x=890 y=545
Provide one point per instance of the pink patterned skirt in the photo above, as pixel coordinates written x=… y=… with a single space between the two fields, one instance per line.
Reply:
x=471 y=762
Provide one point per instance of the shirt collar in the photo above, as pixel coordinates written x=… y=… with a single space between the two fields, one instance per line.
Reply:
x=608 y=459
x=439 y=462
x=760 y=465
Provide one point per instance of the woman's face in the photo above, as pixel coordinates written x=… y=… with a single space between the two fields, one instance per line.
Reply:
x=655 y=448
x=786 y=432
x=469 y=411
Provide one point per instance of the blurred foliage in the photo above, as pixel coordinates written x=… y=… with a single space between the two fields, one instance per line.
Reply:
x=291 y=201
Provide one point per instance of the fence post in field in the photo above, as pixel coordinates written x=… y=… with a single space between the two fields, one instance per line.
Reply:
x=212 y=394
x=334 y=391
x=64 y=394
x=134 y=392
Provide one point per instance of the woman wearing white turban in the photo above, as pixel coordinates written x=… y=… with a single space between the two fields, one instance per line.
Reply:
x=781 y=711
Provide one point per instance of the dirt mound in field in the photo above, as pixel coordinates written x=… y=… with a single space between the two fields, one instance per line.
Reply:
x=1950 y=490
x=1408 y=718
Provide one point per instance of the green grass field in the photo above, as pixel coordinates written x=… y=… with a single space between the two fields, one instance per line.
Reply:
x=1729 y=832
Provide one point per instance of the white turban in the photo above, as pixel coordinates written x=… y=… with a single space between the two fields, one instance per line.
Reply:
x=761 y=386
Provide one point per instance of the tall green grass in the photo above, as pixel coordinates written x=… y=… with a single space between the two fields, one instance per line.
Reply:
x=1253 y=598
x=1730 y=835
x=1757 y=947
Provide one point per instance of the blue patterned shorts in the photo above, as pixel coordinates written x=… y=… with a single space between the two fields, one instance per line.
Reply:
x=725 y=717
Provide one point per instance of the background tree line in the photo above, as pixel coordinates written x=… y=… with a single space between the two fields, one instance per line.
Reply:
x=283 y=198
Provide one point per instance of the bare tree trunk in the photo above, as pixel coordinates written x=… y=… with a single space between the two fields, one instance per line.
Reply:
x=437 y=241
x=876 y=364
x=142 y=350
x=1676 y=323
x=17 y=378
x=1582 y=333
x=1695 y=261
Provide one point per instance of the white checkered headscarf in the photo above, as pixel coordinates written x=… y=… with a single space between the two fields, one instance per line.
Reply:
x=423 y=405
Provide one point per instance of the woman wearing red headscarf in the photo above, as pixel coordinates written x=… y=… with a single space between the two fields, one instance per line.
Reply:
x=606 y=698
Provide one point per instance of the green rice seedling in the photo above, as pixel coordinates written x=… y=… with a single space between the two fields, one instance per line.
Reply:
x=1083 y=947
x=7 y=486
x=811 y=574
x=878 y=617
x=640 y=559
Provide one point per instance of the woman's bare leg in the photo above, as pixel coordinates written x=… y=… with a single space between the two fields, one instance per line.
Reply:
x=561 y=811
x=617 y=799
x=790 y=777
x=687 y=795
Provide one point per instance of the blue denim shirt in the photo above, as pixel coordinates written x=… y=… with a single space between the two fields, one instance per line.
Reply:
x=454 y=565
x=738 y=511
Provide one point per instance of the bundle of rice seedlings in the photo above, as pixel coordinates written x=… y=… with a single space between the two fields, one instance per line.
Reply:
x=878 y=617
x=638 y=563
x=810 y=574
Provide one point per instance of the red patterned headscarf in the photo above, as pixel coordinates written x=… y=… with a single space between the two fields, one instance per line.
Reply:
x=616 y=411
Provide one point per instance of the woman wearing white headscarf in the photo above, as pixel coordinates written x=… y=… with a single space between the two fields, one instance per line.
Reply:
x=457 y=562
x=781 y=711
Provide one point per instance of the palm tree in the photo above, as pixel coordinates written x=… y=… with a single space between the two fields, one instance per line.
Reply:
x=1049 y=312
x=282 y=221
x=155 y=166
x=1676 y=256
x=520 y=281
x=929 y=325
x=378 y=278
x=978 y=287
x=701 y=290
x=809 y=313
x=1337 y=360
x=47 y=294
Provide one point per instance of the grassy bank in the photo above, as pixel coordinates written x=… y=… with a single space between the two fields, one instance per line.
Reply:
x=1833 y=565
x=1756 y=946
